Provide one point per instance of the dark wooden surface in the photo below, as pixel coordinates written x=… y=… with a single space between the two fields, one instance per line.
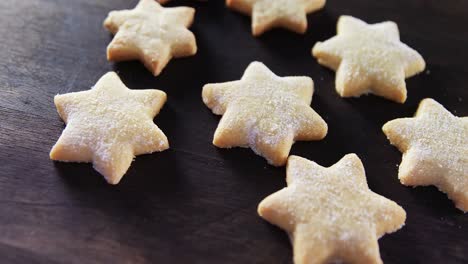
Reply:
x=196 y=203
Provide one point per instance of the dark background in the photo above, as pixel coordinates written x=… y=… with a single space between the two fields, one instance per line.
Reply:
x=195 y=203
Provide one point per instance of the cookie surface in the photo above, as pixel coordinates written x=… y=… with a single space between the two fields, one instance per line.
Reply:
x=435 y=150
x=264 y=112
x=151 y=33
x=108 y=125
x=369 y=59
x=268 y=14
x=330 y=214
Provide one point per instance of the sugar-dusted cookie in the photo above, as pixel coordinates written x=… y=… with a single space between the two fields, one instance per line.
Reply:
x=330 y=214
x=151 y=33
x=369 y=59
x=264 y=112
x=108 y=125
x=435 y=150
x=268 y=14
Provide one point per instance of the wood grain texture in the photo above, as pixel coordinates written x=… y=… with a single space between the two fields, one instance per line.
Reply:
x=195 y=203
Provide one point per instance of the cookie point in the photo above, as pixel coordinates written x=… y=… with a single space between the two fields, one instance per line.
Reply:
x=401 y=98
x=401 y=217
x=53 y=153
x=217 y=140
x=110 y=74
x=194 y=49
x=422 y=65
x=163 y=97
x=109 y=53
x=192 y=11
x=346 y=18
x=462 y=207
x=403 y=177
x=302 y=29
x=352 y=156
x=256 y=32
x=427 y=101
x=386 y=127
x=166 y=146
x=106 y=23
x=322 y=129
x=261 y=208
x=293 y=159
x=112 y=177
x=113 y=181
x=207 y=91
x=156 y=71
x=322 y=3
x=279 y=162
x=57 y=99
x=315 y=48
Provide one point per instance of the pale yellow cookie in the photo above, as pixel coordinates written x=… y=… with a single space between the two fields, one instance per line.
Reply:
x=151 y=33
x=330 y=214
x=108 y=125
x=369 y=59
x=268 y=14
x=435 y=150
x=264 y=112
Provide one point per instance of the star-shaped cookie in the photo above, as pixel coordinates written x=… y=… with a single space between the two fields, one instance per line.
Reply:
x=330 y=214
x=264 y=112
x=268 y=14
x=369 y=59
x=108 y=125
x=435 y=150
x=151 y=33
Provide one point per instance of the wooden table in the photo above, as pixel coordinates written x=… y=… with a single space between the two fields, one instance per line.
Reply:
x=195 y=203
